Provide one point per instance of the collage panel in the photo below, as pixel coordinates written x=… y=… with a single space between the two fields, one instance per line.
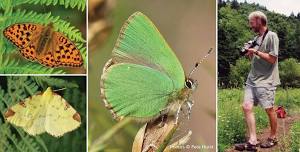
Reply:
x=137 y=83
x=258 y=76
x=43 y=37
x=42 y=113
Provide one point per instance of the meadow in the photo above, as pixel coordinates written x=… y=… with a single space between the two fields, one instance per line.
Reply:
x=295 y=135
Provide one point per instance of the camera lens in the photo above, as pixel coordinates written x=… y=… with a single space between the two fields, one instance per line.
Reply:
x=249 y=44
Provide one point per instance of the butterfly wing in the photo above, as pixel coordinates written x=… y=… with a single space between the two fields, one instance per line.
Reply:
x=140 y=42
x=65 y=51
x=22 y=35
x=144 y=73
x=30 y=115
x=60 y=117
x=137 y=91
x=48 y=60
x=28 y=52
x=25 y=36
x=62 y=52
x=47 y=112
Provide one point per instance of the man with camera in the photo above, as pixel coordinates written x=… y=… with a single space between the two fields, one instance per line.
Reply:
x=262 y=80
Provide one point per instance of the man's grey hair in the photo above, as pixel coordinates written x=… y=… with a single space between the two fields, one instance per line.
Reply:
x=260 y=15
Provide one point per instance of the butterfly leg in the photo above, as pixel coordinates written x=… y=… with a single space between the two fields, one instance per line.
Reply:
x=177 y=114
x=189 y=104
x=162 y=122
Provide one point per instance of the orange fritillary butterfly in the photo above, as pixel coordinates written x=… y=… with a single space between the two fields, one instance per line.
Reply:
x=42 y=44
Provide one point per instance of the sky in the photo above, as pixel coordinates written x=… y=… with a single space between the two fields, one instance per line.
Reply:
x=285 y=7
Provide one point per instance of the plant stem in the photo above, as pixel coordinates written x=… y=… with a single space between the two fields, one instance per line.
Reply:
x=98 y=144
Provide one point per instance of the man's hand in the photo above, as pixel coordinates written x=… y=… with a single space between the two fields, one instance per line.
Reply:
x=266 y=56
x=250 y=52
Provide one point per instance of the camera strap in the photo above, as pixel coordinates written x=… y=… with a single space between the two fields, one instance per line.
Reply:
x=263 y=38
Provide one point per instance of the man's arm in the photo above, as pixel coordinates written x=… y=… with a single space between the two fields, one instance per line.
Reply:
x=272 y=54
x=266 y=56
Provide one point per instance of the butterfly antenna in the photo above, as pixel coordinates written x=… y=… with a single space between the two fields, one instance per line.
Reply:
x=198 y=63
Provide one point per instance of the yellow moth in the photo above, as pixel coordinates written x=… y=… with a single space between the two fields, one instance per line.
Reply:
x=46 y=112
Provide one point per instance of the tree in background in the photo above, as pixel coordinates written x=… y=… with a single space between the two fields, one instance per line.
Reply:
x=289 y=73
x=239 y=72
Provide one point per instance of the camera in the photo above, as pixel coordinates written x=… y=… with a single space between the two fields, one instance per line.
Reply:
x=248 y=45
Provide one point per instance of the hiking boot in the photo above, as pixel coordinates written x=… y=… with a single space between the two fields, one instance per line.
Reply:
x=269 y=143
x=246 y=146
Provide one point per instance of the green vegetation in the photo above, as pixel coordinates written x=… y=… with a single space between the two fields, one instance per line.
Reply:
x=289 y=73
x=17 y=11
x=231 y=124
x=239 y=72
x=15 y=89
x=233 y=32
x=295 y=137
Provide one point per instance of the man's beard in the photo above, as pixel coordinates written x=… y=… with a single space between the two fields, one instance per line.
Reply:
x=255 y=29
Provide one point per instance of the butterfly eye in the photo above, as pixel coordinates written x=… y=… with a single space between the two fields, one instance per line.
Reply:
x=189 y=84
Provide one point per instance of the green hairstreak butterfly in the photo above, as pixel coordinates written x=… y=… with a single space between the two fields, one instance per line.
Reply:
x=144 y=79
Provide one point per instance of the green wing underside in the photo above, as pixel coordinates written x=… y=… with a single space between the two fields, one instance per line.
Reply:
x=140 y=42
x=136 y=91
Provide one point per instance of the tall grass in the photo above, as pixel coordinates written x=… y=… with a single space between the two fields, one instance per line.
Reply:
x=295 y=137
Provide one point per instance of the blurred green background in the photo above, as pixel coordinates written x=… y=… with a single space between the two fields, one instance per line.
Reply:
x=189 y=28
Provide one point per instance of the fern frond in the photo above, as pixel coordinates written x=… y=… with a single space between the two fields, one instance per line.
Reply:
x=14 y=3
x=4 y=142
x=26 y=142
x=65 y=27
x=15 y=91
x=79 y=4
x=72 y=95
x=7 y=6
x=41 y=142
x=21 y=86
x=30 y=86
x=8 y=66
x=82 y=49
x=2 y=104
x=11 y=137
x=53 y=82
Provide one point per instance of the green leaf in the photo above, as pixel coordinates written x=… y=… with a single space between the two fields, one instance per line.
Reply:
x=10 y=66
x=77 y=4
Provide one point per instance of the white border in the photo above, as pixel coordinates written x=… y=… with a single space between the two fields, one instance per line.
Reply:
x=86 y=76
x=216 y=47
